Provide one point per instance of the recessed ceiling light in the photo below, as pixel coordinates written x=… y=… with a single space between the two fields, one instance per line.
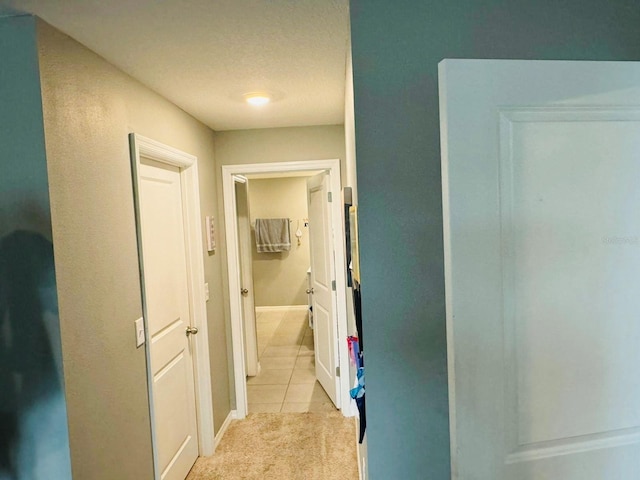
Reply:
x=257 y=99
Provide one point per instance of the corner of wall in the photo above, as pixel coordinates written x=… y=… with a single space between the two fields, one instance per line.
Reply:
x=36 y=408
x=350 y=129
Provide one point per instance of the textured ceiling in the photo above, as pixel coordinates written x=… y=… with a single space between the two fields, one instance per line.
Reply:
x=203 y=55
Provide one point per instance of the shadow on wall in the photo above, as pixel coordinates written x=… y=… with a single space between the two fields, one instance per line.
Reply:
x=34 y=440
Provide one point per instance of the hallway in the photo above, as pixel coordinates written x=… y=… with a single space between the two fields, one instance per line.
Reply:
x=287 y=381
x=284 y=446
x=293 y=431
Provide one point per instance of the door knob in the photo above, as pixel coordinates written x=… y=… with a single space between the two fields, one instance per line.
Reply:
x=309 y=291
x=192 y=330
x=244 y=291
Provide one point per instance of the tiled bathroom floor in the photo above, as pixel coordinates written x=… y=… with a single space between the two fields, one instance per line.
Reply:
x=287 y=381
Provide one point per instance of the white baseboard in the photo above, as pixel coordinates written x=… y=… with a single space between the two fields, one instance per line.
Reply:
x=233 y=414
x=288 y=308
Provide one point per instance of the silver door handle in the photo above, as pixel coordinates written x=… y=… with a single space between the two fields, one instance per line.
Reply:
x=309 y=291
x=192 y=330
x=244 y=291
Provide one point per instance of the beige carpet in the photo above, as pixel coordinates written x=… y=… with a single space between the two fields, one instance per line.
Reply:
x=284 y=446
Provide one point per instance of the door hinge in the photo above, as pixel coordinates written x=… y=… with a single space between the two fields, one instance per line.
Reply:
x=330 y=197
x=338 y=371
x=333 y=285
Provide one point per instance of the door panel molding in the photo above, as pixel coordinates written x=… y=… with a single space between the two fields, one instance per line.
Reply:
x=522 y=444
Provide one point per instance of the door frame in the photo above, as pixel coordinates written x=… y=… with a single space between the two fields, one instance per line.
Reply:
x=188 y=164
x=337 y=221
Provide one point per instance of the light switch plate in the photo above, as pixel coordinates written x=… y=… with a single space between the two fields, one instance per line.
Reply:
x=206 y=292
x=139 y=332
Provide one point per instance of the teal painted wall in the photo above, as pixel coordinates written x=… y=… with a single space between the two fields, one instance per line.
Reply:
x=396 y=50
x=24 y=193
x=34 y=441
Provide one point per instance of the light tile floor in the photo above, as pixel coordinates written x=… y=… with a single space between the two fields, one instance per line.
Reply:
x=287 y=380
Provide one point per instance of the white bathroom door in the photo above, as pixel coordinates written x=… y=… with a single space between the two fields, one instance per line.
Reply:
x=246 y=276
x=541 y=194
x=167 y=318
x=323 y=284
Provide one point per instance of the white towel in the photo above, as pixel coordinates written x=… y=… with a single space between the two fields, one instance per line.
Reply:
x=272 y=235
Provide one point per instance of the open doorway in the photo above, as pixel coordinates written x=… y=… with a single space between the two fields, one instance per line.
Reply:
x=289 y=378
x=289 y=324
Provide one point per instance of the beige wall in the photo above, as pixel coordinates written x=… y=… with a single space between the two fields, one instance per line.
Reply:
x=89 y=109
x=280 y=278
x=350 y=130
x=267 y=145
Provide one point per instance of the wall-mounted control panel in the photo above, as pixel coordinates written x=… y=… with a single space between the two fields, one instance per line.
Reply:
x=139 y=332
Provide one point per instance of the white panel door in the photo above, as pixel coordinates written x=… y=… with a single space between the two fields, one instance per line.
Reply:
x=541 y=193
x=322 y=276
x=168 y=316
x=245 y=270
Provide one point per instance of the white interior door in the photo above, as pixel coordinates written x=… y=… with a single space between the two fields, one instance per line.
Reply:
x=246 y=276
x=167 y=318
x=322 y=284
x=541 y=162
